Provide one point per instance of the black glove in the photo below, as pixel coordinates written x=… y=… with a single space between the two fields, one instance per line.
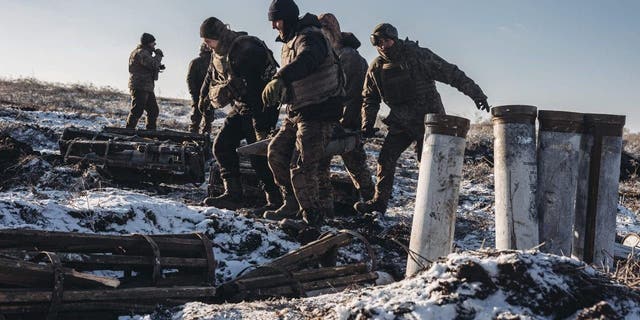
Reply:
x=369 y=132
x=158 y=52
x=162 y=67
x=482 y=104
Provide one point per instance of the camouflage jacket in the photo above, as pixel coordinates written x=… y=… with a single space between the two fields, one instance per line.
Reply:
x=196 y=74
x=143 y=69
x=303 y=54
x=355 y=69
x=406 y=84
x=239 y=77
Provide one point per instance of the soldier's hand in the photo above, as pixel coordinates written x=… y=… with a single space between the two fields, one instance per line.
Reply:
x=272 y=93
x=482 y=104
x=159 y=52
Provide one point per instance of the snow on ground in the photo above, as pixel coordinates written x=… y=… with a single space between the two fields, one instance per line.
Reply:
x=473 y=285
x=48 y=195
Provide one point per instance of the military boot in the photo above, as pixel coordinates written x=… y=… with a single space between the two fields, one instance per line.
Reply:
x=231 y=199
x=364 y=207
x=289 y=209
x=274 y=201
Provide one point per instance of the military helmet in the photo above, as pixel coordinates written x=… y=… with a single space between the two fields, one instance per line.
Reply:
x=383 y=31
x=212 y=28
x=147 y=38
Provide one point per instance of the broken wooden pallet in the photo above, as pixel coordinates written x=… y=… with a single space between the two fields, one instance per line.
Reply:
x=86 y=273
x=309 y=268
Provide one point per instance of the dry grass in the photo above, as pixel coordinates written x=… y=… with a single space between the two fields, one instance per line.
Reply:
x=628 y=271
x=32 y=94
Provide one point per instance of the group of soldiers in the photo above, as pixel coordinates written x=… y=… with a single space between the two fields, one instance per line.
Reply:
x=326 y=88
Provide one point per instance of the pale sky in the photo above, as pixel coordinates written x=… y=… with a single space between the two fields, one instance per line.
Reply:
x=558 y=55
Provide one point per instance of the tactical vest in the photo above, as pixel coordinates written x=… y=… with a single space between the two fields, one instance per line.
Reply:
x=405 y=82
x=326 y=82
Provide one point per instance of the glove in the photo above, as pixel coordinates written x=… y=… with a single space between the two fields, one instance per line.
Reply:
x=159 y=52
x=162 y=67
x=273 y=92
x=369 y=132
x=482 y=104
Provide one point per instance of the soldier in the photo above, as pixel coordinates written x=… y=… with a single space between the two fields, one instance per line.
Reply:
x=195 y=77
x=354 y=67
x=310 y=85
x=241 y=67
x=145 y=63
x=403 y=76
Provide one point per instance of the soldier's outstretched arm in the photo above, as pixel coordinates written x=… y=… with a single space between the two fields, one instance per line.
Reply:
x=443 y=71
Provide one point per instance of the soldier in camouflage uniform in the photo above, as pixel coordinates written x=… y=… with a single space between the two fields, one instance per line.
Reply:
x=240 y=68
x=403 y=76
x=310 y=85
x=355 y=67
x=145 y=63
x=195 y=77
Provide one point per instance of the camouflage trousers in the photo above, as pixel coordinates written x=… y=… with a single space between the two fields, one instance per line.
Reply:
x=355 y=162
x=294 y=156
x=141 y=101
x=199 y=118
x=395 y=143
x=236 y=128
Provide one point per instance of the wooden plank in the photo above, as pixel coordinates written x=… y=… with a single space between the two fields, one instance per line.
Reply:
x=93 y=243
x=311 y=286
x=309 y=252
x=623 y=252
x=82 y=261
x=79 y=307
x=301 y=276
x=29 y=274
x=8 y=296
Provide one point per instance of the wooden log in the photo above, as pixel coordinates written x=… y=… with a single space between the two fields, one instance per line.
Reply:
x=294 y=260
x=79 y=307
x=9 y=296
x=301 y=276
x=29 y=274
x=96 y=243
x=313 y=285
x=624 y=252
x=82 y=261
x=180 y=279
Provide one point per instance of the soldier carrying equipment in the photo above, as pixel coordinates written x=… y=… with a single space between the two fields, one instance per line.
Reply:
x=403 y=76
x=310 y=85
x=240 y=68
x=354 y=67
